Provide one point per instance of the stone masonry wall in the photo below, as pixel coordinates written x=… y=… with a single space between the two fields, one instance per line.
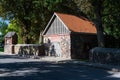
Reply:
x=9 y=49
x=61 y=43
x=105 y=56
x=25 y=49
x=29 y=49
x=65 y=46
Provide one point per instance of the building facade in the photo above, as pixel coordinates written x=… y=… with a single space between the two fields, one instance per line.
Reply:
x=10 y=40
x=67 y=35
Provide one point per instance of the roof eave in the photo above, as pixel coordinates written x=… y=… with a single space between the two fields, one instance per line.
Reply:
x=84 y=33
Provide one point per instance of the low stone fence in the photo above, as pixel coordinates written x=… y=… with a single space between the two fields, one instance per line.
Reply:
x=105 y=55
x=25 y=49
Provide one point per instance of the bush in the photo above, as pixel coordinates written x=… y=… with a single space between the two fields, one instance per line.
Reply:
x=1 y=49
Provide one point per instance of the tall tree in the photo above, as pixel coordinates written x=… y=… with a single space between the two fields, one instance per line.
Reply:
x=105 y=14
x=98 y=9
x=30 y=14
x=93 y=9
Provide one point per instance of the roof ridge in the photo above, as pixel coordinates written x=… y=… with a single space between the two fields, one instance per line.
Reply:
x=82 y=17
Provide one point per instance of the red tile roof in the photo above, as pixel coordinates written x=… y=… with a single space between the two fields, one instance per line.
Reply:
x=77 y=24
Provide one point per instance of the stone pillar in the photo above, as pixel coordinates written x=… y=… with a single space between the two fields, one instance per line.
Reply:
x=9 y=49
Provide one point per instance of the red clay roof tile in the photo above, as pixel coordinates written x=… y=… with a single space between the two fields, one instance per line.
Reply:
x=77 y=24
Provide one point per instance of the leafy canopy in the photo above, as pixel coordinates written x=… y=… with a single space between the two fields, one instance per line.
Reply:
x=31 y=15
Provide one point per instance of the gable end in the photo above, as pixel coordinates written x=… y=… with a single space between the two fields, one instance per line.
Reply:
x=55 y=26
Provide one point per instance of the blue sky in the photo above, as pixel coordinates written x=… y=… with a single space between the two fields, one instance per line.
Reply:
x=7 y=21
x=1 y=20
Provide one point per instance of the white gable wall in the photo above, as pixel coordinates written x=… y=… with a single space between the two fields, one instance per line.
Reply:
x=57 y=27
x=57 y=34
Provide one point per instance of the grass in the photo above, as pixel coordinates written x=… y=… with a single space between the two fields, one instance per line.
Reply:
x=1 y=49
x=85 y=60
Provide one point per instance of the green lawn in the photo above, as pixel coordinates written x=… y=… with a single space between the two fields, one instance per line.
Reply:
x=1 y=49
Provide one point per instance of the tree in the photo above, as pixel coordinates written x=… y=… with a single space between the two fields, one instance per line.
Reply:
x=111 y=18
x=98 y=9
x=13 y=26
x=105 y=14
x=33 y=15
x=3 y=27
x=30 y=14
x=93 y=9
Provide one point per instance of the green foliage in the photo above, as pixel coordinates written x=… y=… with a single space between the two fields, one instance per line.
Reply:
x=110 y=14
x=1 y=49
x=33 y=15
x=104 y=12
x=30 y=14
x=29 y=17
x=111 y=18
x=3 y=27
x=14 y=26
x=86 y=7
x=93 y=10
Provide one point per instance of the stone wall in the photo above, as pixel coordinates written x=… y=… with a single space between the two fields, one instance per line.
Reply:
x=25 y=49
x=9 y=49
x=61 y=45
x=65 y=46
x=29 y=49
x=105 y=55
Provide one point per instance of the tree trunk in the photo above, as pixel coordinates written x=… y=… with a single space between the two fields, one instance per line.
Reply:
x=98 y=11
x=100 y=35
x=25 y=39
x=25 y=34
x=26 y=31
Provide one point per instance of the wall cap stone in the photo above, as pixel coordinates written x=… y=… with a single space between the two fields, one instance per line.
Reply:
x=28 y=45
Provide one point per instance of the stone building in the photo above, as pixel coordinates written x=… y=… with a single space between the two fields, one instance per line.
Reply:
x=11 y=46
x=11 y=39
x=69 y=36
